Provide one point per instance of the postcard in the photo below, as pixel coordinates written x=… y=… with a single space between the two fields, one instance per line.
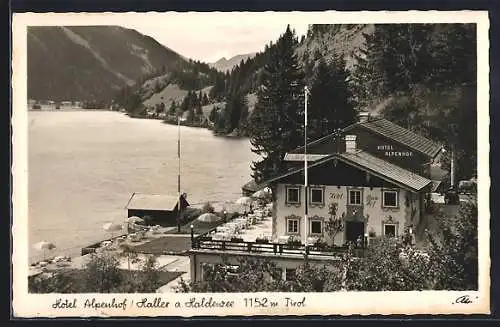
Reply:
x=250 y=163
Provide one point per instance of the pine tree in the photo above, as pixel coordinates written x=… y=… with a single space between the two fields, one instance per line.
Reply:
x=173 y=108
x=395 y=59
x=244 y=114
x=330 y=105
x=213 y=114
x=426 y=74
x=236 y=105
x=198 y=111
x=186 y=102
x=276 y=123
x=190 y=115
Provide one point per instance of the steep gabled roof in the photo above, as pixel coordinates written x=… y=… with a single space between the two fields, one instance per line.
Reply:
x=141 y=201
x=387 y=169
x=300 y=157
x=376 y=166
x=401 y=135
x=389 y=130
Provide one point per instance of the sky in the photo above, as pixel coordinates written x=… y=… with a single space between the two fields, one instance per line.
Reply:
x=207 y=38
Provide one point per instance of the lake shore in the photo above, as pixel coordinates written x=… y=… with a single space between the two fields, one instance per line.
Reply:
x=92 y=161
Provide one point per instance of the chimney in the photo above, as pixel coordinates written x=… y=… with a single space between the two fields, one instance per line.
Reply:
x=363 y=116
x=350 y=143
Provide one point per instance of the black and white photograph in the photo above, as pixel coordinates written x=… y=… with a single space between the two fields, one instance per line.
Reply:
x=250 y=163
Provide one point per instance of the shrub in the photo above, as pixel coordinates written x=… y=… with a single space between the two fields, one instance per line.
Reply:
x=321 y=244
x=190 y=214
x=208 y=208
x=293 y=241
x=146 y=280
x=262 y=240
x=101 y=274
x=58 y=282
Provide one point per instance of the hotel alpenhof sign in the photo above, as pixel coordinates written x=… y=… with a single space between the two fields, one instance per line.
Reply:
x=389 y=151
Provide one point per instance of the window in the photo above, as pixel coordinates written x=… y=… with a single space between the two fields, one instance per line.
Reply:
x=354 y=197
x=390 y=230
x=316 y=195
x=350 y=143
x=390 y=199
x=316 y=227
x=292 y=194
x=292 y=226
x=290 y=274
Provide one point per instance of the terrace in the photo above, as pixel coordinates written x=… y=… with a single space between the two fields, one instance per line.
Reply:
x=252 y=234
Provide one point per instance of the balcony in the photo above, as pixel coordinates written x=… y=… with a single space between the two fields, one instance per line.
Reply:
x=234 y=246
x=252 y=234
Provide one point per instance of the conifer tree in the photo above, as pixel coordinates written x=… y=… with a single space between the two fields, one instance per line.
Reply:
x=330 y=105
x=236 y=105
x=276 y=123
x=395 y=59
x=426 y=74
x=198 y=112
x=173 y=108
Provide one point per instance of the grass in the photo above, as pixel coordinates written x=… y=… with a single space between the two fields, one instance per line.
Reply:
x=164 y=245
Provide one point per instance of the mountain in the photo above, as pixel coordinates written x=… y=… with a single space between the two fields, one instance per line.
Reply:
x=91 y=62
x=326 y=41
x=225 y=65
x=244 y=71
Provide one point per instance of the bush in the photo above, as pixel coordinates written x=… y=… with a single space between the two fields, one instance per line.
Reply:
x=321 y=245
x=101 y=274
x=236 y=239
x=208 y=208
x=262 y=240
x=147 y=280
x=190 y=214
x=59 y=282
x=293 y=241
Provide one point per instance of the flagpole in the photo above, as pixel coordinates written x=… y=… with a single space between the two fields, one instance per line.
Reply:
x=306 y=91
x=179 y=174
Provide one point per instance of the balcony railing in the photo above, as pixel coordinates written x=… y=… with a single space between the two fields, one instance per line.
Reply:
x=204 y=242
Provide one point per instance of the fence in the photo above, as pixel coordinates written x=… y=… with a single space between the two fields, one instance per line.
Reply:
x=205 y=242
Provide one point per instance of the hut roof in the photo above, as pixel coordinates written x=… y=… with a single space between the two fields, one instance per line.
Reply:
x=162 y=202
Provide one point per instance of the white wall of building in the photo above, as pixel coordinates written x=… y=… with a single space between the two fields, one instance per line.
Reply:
x=371 y=204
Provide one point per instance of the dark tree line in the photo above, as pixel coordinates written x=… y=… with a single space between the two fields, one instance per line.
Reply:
x=421 y=76
x=189 y=75
x=426 y=75
x=277 y=123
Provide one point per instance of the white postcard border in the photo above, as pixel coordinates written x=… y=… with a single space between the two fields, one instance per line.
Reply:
x=343 y=303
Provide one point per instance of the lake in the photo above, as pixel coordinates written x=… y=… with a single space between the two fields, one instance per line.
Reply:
x=84 y=166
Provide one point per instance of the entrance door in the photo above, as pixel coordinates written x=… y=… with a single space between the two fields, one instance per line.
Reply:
x=353 y=230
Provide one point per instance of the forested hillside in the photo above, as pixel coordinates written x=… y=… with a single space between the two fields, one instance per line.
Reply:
x=421 y=76
x=90 y=63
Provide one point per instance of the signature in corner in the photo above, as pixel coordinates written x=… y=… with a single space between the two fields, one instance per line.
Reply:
x=464 y=299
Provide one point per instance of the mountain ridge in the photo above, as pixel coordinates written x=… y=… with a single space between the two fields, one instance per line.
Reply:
x=85 y=63
x=226 y=65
